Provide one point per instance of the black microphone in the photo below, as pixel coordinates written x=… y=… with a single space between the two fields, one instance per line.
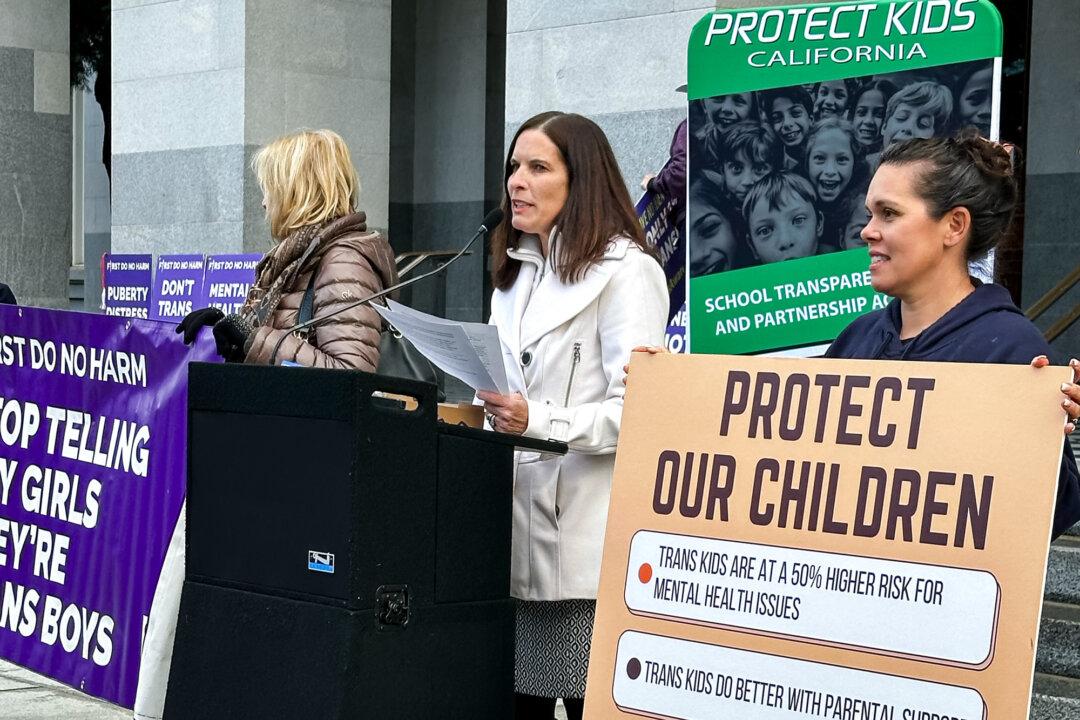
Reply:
x=492 y=219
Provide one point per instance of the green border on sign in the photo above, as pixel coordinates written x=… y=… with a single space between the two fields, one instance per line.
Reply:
x=750 y=309
x=781 y=305
x=760 y=48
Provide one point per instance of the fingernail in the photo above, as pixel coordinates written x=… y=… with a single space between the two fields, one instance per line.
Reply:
x=1065 y=387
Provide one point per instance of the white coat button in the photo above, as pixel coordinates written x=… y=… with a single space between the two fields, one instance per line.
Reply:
x=526 y=358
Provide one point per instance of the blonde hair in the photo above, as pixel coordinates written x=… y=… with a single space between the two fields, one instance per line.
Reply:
x=306 y=177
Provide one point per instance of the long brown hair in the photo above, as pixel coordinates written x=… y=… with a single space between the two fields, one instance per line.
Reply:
x=597 y=206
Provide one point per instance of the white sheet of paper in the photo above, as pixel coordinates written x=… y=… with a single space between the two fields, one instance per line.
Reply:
x=483 y=337
x=470 y=352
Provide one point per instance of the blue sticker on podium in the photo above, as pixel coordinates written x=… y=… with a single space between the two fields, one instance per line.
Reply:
x=320 y=561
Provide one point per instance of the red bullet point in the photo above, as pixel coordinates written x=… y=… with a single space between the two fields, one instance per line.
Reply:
x=644 y=572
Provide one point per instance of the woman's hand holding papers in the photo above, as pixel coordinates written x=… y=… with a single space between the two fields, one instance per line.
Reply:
x=506 y=413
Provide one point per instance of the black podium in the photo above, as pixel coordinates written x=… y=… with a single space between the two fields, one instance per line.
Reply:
x=346 y=558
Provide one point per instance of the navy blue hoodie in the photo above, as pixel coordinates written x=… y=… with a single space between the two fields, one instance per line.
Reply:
x=985 y=327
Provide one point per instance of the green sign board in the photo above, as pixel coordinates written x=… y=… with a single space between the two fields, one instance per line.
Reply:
x=790 y=108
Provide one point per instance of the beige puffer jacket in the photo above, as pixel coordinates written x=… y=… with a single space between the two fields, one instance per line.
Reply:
x=351 y=263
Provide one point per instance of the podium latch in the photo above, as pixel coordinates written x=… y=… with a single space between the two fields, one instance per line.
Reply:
x=392 y=606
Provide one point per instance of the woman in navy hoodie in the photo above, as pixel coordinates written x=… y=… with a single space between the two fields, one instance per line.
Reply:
x=934 y=205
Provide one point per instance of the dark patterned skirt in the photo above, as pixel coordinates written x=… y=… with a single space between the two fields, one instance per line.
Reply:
x=551 y=658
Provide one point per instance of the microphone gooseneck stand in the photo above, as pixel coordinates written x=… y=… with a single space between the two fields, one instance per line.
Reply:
x=492 y=219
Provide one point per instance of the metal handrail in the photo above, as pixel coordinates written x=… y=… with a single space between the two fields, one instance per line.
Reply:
x=1052 y=296
x=1062 y=324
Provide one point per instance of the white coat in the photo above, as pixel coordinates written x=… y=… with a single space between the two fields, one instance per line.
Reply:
x=566 y=356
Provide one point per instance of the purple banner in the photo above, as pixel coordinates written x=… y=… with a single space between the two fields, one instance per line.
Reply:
x=178 y=286
x=93 y=434
x=675 y=335
x=657 y=214
x=228 y=279
x=127 y=285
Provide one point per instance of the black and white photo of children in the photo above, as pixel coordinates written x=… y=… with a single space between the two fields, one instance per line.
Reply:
x=782 y=173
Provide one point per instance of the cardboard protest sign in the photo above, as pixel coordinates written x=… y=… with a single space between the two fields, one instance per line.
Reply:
x=227 y=281
x=178 y=284
x=93 y=427
x=662 y=219
x=826 y=538
x=790 y=109
x=127 y=285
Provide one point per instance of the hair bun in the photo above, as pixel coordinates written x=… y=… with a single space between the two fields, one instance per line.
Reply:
x=992 y=159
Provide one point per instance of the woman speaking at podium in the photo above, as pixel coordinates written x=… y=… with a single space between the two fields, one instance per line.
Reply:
x=323 y=254
x=575 y=289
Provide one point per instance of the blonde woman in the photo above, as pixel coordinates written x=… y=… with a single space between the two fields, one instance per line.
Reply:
x=321 y=244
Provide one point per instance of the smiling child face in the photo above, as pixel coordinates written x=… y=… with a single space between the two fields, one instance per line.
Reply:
x=830 y=163
x=976 y=99
x=726 y=110
x=790 y=121
x=713 y=245
x=831 y=99
x=869 y=117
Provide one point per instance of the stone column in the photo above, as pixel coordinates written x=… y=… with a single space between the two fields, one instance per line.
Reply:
x=35 y=151
x=1051 y=244
x=617 y=63
x=321 y=64
x=451 y=99
x=198 y=85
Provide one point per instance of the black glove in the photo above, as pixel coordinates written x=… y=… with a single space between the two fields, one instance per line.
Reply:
x=231 y=334
x=194 y=321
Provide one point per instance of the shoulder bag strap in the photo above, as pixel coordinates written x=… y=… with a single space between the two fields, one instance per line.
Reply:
x=307 y=306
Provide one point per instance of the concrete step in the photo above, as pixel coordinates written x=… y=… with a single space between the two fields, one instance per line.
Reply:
x=1055 y=698
x=1063 y=570
x=1059 y=640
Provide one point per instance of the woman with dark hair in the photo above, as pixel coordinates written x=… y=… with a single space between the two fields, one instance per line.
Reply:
x=575 y=289
x=868 y=114
x=934 y=205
